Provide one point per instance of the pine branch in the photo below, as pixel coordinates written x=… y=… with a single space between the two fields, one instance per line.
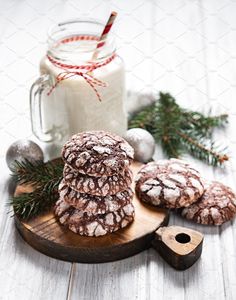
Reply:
x=164 y=130
x=199 y=150
x=37 y=173
x=180 y=130
x=31 y=204
x=204 y=125
x=44 y=178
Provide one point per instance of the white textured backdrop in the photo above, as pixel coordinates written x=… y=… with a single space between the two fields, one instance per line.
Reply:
x=185 y=47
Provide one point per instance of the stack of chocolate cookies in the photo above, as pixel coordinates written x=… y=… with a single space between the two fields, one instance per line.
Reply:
x=95 y=194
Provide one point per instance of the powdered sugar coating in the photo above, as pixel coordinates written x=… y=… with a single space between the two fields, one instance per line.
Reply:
x=98 y=225
x=97 y=153
x=216 y=206
x=93 y=205
x=98 y=186
x=169 y=183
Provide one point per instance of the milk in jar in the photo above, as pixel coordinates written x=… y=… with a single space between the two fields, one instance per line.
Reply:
x=76 y=92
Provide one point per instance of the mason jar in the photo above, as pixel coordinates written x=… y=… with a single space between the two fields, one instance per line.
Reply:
x=82 y=84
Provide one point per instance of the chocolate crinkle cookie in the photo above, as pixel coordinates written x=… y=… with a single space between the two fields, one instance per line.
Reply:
x=169 y=183
x=97 y=153
x=93 y=205
x=83 y=224
x=99 y=186
x=216 y=206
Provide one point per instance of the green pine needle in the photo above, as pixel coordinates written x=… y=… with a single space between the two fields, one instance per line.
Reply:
x=28 y=205
x=179 y=130
x=37 y=172
x=44 y=178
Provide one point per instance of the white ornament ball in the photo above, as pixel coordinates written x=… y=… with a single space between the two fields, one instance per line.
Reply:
x=142 y=142
x=22 y=150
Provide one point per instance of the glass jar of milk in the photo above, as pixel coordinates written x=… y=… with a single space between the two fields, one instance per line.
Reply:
x=82 y=84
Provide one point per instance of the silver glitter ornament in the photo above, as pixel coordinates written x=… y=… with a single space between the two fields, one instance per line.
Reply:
x=21 y=150
x=142 y=142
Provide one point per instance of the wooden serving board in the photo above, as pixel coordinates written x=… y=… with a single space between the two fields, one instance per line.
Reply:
x=46 y=235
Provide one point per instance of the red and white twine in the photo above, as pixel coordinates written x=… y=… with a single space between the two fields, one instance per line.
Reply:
x=84 y=71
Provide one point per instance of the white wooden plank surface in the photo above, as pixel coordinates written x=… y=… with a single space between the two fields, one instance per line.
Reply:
x=181 y=46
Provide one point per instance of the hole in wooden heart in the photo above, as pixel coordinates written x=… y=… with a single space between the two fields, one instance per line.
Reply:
x=182 y=238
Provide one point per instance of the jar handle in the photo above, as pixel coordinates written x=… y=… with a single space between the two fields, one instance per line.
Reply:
x=36 y=91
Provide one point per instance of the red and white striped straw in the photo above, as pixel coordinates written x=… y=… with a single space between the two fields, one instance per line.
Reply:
x=104 y=34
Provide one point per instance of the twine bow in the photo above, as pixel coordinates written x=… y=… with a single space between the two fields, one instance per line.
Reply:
x=93 y=82
x=84 y=71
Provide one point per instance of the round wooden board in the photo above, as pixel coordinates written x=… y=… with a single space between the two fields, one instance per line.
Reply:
x=46 y=235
